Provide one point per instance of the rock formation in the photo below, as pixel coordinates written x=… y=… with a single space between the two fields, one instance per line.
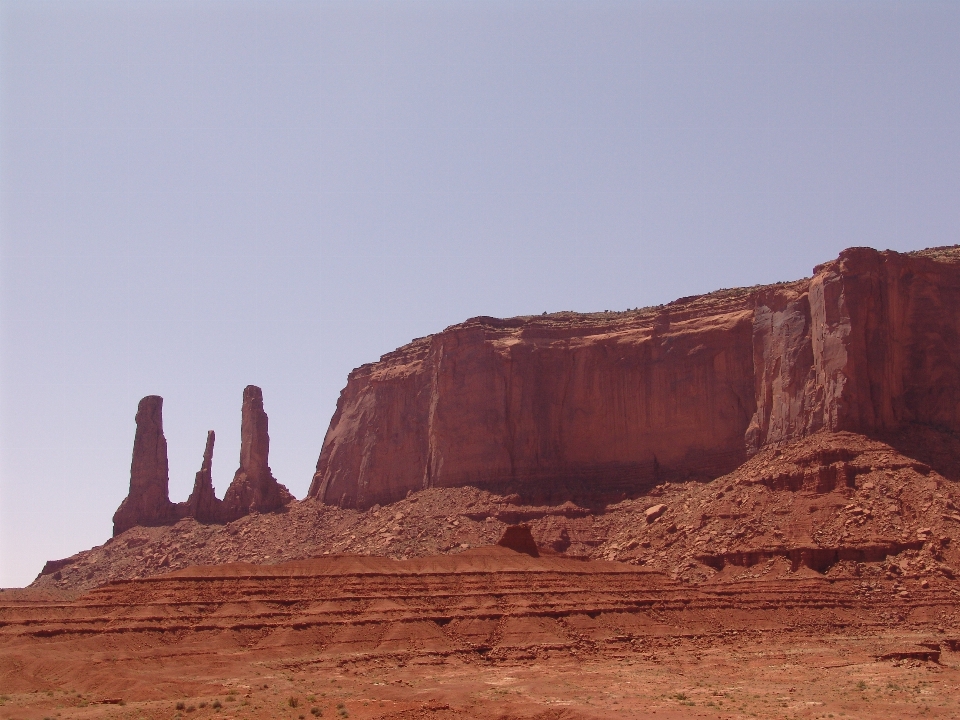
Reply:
x=871 y=344
x=607 y=403
x=148 y=502
x=203 y=504
x=254 y=489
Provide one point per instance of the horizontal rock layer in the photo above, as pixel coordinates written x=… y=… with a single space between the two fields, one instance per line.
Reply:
x=564 y=405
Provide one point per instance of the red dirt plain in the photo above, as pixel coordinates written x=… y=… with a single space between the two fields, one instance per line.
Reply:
x=486 y=633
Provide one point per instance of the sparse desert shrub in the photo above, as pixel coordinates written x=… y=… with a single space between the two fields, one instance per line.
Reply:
x=292 y=701
x=231 y=698
x=217 y=704
x=316 y=711
x=190 y=708
x=181 y=705
x=202 y=705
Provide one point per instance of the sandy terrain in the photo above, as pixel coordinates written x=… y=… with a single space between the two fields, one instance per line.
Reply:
x=486 y=633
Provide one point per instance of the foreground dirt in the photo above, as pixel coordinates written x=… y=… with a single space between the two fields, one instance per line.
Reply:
x=486 y=633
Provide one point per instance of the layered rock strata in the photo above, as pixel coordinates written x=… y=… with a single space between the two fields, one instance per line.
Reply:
x=254 y=489
x=570 y=405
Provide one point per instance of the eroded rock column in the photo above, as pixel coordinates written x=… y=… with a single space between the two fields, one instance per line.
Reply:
x=254 y=489
x=203 y=504
x=148 y=502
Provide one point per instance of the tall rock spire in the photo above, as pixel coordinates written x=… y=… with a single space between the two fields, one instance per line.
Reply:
x=148 y=502
x=203 y=504
x=254 y=489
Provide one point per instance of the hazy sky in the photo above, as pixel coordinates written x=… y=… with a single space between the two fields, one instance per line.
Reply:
x=196 y=196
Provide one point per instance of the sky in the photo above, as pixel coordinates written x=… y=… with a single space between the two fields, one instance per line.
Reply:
x=197 y=196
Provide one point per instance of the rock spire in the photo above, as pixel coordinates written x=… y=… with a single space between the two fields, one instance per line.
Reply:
x=254 y=489
x=203 y=504
x=148 y=502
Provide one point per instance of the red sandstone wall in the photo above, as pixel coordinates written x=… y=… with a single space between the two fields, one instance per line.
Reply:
x=617 y=401
x=871 y=344
x=547 y=402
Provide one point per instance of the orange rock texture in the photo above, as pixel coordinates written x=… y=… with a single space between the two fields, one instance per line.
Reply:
x=569 y=404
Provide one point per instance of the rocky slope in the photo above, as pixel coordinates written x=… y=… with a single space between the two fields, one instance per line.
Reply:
x=838 y=504
x=569 y=405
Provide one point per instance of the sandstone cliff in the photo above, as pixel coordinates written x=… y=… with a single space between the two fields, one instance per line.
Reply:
x=615 y=402
x=870 y=344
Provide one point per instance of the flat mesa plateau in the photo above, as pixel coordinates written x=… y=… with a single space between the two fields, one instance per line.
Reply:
x=737 y=505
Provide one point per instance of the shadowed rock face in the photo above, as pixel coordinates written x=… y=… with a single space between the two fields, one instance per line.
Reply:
x=254 y=489
x=571 y=404
x=520 y=539
x=148 y=502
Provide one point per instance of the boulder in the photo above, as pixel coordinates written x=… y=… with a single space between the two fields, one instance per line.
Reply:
x=653 y=512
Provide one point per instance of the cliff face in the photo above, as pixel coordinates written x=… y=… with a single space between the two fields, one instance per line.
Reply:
x=616 y=402
x=870 y=345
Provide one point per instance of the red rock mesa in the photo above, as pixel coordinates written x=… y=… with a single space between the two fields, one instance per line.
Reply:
x=573 y=404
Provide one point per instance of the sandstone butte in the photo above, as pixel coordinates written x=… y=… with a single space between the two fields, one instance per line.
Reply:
x=601 y=406
x=571 y=405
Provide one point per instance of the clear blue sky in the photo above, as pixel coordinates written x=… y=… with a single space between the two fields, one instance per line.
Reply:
x=195 y=196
